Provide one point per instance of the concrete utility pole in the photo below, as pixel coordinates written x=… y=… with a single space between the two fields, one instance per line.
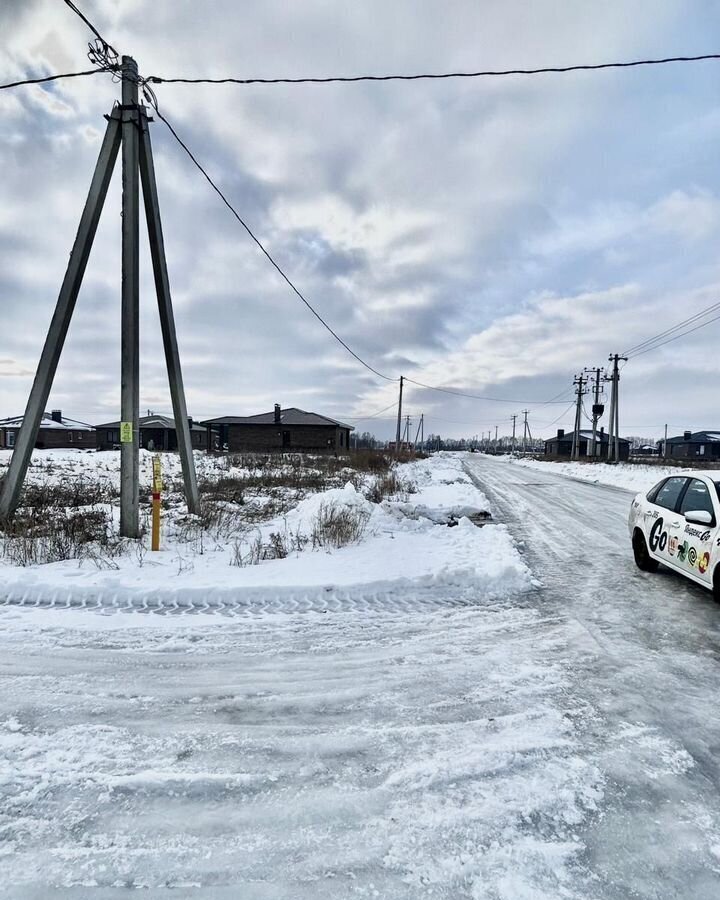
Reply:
x=496 y=443
x=614 y=427
x=525 y=431
x=417 y=434
x=665 y=444
x=127 y=125
x=130 y=318
x=513 y=434
x=399 y=419
x=597 y=410
x=579 y=382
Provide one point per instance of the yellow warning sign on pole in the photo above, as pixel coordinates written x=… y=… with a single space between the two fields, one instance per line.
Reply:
x=126 y=433
x=156 y=491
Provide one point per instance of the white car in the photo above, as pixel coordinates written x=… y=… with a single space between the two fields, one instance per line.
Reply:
x=676 y=524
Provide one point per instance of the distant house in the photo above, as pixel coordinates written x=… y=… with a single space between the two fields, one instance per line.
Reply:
x=285 y=430
x=55 y=432
x=561 y=444
x=156 y=433
x=693 y=445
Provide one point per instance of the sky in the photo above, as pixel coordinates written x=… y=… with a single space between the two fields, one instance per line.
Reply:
x=492 y=236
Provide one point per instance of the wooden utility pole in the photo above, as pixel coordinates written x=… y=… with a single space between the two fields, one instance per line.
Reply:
x=399 y=419
x=127 y=125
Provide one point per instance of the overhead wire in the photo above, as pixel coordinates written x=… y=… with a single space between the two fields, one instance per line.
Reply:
x=676 y=337
x=78 y=12
x=153 y=100
x=443 y=390
x=436 y=76
x=46 y=78
x=703 y=312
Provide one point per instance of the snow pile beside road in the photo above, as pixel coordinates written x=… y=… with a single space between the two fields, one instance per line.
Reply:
x=445 y=492
x=630 y=476
x=331 y=541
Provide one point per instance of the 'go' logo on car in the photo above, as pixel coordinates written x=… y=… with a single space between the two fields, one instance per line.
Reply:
x=658 y=537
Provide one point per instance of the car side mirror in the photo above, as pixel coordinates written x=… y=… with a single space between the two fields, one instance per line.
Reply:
x=699 y=517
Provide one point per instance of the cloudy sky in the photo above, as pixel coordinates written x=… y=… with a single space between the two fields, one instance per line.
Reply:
x=493 y=236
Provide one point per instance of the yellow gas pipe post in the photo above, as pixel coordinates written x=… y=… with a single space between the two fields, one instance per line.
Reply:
x=157 y=488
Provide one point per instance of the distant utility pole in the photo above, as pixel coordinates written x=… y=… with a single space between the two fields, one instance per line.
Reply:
x=418 y=433
x=614 y=426
x=597 y=410
x=496 y=444
x=513 y=434
x=665 y=444
x=526 y=430
x=579 y=383
x=399 y=419
x=406 y=431
x=127 y=125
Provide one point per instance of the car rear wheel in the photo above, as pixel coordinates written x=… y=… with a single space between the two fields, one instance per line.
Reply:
x=643 y=560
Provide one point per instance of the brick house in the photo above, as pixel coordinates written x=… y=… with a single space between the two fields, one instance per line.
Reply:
x=693 y=445
x=55 y=432
x=561 y=444
x=283 y=430
x=156 y=433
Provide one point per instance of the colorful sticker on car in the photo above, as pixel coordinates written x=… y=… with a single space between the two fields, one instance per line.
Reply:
x=704 y=562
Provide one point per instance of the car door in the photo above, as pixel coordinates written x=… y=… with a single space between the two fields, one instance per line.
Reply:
x=663 y=523
x=697 y=541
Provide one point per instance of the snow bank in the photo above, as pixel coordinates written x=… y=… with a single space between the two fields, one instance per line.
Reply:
x=633 y=477
x=445 y=492
x=400 y=544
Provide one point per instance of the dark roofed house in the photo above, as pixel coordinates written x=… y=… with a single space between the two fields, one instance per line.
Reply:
x=56 y=431
x=694 y=445
x=288 y=430
x=561 y=444
x=156 y=433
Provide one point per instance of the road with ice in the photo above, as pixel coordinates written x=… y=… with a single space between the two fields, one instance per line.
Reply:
x=425 y=741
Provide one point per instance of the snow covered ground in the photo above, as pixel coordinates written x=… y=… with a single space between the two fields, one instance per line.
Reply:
x=460 y=733
x=400 y=541
x=633 y=477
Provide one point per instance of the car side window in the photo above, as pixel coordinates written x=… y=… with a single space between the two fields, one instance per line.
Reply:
x=653 y=492
x=697 y=496
x=669 y=493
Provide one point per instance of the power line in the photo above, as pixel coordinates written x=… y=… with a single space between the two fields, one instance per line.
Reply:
x=442 y=390
x=487 y=73
x=46 y=78
x=92 y=28
x=675 y=337
x=682 y=324
x=151 y=98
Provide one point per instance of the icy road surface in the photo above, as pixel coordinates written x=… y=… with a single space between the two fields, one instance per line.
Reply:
x=557 y=744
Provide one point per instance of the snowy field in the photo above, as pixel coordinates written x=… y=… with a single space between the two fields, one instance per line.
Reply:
x=633 y=477
x=403 y=539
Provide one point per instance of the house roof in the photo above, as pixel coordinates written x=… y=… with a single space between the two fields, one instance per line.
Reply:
x=165 y=423
x=601 y=436
x=48 y=423
x=290 y=416
x=697 y=437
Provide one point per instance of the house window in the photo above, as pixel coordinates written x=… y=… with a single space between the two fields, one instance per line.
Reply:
x=70 y=436
x=286 y=438
x=109 y=436
x=11 y=438
x=342 y=438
